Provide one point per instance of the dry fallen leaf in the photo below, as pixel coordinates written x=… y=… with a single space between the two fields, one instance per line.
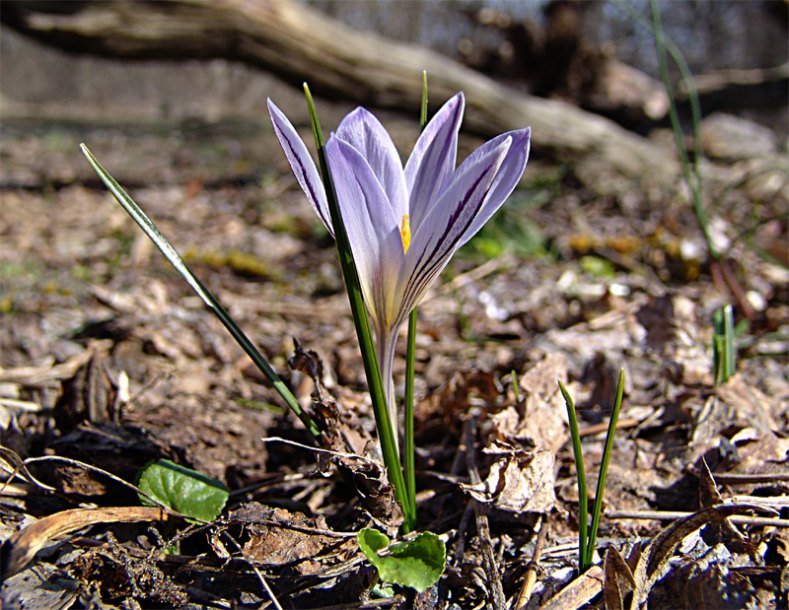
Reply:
x=519 y=483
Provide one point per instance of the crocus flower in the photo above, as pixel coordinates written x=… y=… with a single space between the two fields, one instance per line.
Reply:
x=404 y=223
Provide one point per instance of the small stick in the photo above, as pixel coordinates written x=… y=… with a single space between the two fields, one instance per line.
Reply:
x=21 y=548
x=460 y=543
x=531 y=567
x=622 y=424
x=261 y=579
x=667 y=515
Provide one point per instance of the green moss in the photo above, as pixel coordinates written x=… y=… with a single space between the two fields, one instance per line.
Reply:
x=511 y=229
x=237 y=261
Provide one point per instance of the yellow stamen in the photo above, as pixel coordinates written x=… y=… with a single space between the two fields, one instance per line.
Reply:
x=405 y=233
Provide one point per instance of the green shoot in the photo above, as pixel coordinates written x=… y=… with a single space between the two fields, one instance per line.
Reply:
x=587 y=536
x=580 y=469
x=170 y=253
x=724 y=355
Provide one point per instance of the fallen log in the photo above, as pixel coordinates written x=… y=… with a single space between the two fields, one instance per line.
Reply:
x=299 y=44
x=752 y=88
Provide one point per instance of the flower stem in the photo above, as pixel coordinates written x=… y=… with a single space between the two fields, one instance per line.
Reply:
x=409 y=444
x=363 y=331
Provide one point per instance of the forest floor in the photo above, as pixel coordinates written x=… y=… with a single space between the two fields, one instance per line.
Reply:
x=109 y=361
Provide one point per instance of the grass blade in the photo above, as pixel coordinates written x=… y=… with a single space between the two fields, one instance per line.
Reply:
x=609 y=446
x=724 y=355
x=692 y=175
x=583 y=510
x=170 y=253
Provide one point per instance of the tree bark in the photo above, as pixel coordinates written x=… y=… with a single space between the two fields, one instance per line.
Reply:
x=298 y=44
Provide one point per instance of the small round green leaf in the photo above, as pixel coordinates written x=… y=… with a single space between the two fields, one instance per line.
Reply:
x=370 y=542
x=417 y=564
x=182 y=489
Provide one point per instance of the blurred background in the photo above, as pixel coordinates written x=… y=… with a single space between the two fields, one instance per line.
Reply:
x=171 y=97
x=542 y=46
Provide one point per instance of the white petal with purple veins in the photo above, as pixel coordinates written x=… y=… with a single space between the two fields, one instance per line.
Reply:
x=301 y=163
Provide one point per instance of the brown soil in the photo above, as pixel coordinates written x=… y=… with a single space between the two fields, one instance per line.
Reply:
x=109 y=360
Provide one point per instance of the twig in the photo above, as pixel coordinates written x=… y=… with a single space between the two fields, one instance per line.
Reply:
x=731 y=478
x=109 y=475
x=24 y=544
x=477 y=273
x=531 y=567
x=271 y=481
x=19 y=470
x=622 y=424
x=306 y=530
x=258 y=573
x=342 y=454
x=378 y=603
x=483 y=529
x=666 y=515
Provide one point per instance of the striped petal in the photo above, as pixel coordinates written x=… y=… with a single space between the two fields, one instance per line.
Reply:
x=365 y=133
x=447 y=222
x=431 y=163
x=507 y=178
x=301 y=163
x=373 y=229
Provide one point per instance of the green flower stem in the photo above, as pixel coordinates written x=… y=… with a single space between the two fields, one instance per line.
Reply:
x=170 y=253
x=363 y=331
x=583 y=511
x=609 y=446
x=409 y=444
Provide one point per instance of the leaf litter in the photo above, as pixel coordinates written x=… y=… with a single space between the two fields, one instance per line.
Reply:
x=108 y=363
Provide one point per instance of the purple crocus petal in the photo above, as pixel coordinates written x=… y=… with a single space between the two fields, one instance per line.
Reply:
x=432 y=161
x=365 y=133
x=506 y=180
x=372 y=228
x=301 y=163
x=446 y=223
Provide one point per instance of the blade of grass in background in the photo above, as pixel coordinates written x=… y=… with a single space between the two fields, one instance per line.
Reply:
x=692 y=175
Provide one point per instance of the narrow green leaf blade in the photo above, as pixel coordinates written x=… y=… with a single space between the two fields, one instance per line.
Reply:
x=182 y=489
x=386 y=434
x=213 y=304
x=583 y=509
